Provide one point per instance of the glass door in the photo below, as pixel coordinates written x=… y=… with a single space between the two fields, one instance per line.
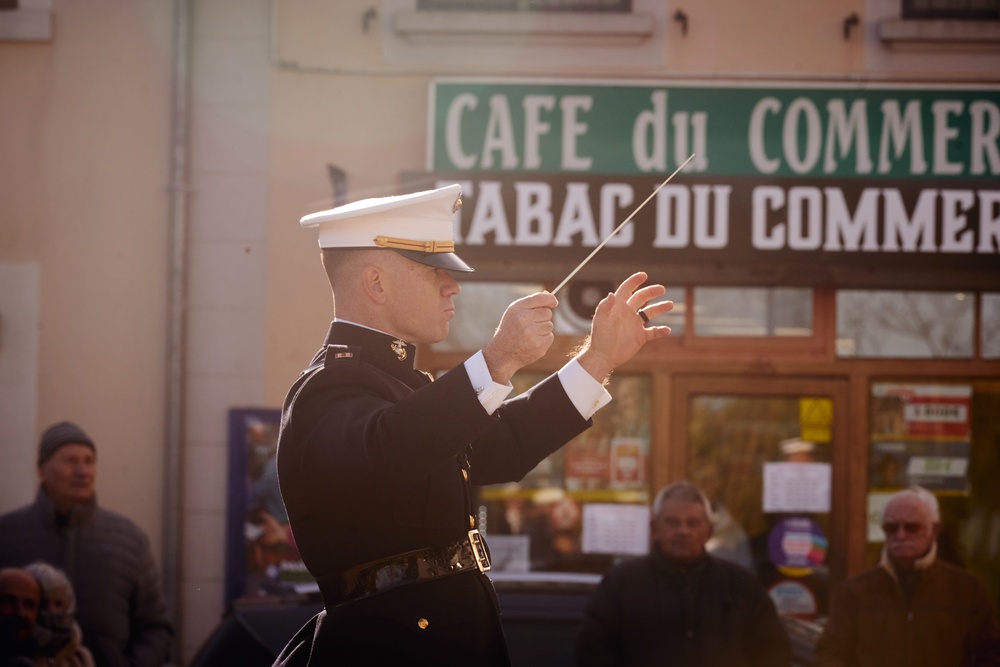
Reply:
x=766 y=452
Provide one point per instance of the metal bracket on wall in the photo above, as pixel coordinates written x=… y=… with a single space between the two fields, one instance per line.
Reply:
x=682 y=18
x=850 y=22
x=370 y=15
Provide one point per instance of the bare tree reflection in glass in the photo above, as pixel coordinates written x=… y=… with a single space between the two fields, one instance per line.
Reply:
x=904 y=324
x=989 y=331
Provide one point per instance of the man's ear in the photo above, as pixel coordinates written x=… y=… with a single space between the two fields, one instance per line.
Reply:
x=373 y=282
x=936 y=529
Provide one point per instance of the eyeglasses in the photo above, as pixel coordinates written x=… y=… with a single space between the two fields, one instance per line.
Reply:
x=909 y=527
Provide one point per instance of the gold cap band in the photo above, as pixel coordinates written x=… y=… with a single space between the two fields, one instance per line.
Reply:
x=419 y=246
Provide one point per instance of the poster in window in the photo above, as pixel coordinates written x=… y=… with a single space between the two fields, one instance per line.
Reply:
x=607 y=463
x=261 y=557
x=921 y=434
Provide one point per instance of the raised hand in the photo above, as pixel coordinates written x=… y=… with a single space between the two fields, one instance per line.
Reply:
x=618 y=331
x=524 y=335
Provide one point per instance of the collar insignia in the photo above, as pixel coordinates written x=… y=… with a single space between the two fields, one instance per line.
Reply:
x=399 y=347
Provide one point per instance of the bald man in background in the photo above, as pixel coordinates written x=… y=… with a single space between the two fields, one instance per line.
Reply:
x=913 y=609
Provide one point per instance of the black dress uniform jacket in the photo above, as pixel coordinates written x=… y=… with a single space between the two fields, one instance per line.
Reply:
x=374 y=460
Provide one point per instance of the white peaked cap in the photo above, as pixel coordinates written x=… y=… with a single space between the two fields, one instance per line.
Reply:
x=418 y=225
x=797 y=446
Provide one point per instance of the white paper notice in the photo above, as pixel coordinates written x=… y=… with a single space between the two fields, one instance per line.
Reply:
x=510 y=553
x=610 y=528
x=796 y=487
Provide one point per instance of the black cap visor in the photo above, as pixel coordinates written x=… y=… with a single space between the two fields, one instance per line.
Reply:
x=441 y=260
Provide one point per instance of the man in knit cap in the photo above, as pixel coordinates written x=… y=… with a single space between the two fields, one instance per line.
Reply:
x=120 y=603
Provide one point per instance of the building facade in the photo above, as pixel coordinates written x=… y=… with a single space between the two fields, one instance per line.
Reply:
x=831 y=247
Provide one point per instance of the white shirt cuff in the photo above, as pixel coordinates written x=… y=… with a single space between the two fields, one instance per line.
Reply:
x=587 y=394
x=491 y=394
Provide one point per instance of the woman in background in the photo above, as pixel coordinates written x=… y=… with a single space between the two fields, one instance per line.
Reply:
x=57 y=633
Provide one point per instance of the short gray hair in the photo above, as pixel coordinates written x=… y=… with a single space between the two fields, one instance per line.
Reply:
x=52 y=580
x=928 y=499
x=682 y=490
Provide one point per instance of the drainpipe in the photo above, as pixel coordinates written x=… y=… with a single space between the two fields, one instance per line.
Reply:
x=176 y=318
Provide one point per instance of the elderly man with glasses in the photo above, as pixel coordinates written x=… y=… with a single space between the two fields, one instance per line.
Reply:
x=912 y=610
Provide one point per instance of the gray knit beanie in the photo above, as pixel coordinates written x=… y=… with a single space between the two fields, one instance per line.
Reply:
x=57 y=435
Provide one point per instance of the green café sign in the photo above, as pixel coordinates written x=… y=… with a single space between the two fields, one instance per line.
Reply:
x=741 y=131
x=818 y=174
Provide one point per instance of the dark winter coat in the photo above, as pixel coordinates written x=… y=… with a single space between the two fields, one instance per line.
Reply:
x=119 y=600
x=948 y=622
x=651 y=611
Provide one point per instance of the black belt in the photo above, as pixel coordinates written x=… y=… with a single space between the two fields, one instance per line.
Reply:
x=379 y=576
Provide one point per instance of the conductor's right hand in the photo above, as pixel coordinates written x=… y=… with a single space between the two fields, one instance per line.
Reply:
x=524 y=336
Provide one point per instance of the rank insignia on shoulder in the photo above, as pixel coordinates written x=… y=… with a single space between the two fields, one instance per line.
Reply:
x=340 y=355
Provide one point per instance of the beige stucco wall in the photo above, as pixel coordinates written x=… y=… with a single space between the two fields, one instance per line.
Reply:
x=770 y=38
x=84 y=130
x=370 y=129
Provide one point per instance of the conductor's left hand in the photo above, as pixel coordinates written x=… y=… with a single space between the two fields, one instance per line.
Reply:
x=617 y=331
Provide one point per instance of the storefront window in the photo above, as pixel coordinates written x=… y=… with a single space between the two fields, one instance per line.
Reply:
x=942 y=437
x=579 y=301
x=765 y=463
x=480 y=305
x=752 y=311
x=919 y=325
x=478 y=309
x=989 y=325
x=587 y=503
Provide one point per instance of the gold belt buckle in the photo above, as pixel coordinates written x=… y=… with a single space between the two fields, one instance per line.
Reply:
x=479 y=550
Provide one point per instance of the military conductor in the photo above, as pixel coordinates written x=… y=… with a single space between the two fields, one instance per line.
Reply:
x=376 y=461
